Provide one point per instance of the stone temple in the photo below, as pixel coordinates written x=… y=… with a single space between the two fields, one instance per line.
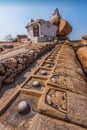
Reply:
x=44 y=31
x=41 y=31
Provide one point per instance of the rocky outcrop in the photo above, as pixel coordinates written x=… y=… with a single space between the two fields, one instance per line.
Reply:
x=64 y=28
x=11 y=67
x=54 y=19
x=82 y=55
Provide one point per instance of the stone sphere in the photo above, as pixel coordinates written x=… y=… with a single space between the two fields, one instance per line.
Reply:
x=23 y=107
x=49 y=66
x=43 y=72
x=36 y=84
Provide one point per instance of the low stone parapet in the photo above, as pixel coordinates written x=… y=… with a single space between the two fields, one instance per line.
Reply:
x=11 y=67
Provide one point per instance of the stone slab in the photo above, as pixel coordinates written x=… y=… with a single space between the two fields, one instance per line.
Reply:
x=68 y=83
x=29 y=84
x=18 y=121
x=70 y=73
x=64 y=105
x=42 y=122
x=70 y=66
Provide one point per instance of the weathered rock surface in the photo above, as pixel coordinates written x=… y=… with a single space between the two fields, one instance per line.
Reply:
x=4 y=127
x=42 y=122
x=64 y=105
x=56 y=101
x=82 y=55
x=64 y=28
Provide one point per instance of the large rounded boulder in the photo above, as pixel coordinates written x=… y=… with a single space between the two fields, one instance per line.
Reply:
x=64 y=28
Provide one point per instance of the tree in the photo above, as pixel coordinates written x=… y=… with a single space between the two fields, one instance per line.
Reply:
x=9 y=38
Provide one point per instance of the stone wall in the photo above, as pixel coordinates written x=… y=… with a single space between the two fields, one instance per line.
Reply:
x=11 y=67
x=47 y=29
x=30 y=32
x=47 y=32
x=19 y=37
x=42 y=39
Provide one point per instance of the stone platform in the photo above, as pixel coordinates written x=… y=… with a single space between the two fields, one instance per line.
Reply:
x=56 y=91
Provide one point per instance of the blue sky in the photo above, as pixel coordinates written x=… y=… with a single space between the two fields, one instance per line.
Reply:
x=15 y=14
